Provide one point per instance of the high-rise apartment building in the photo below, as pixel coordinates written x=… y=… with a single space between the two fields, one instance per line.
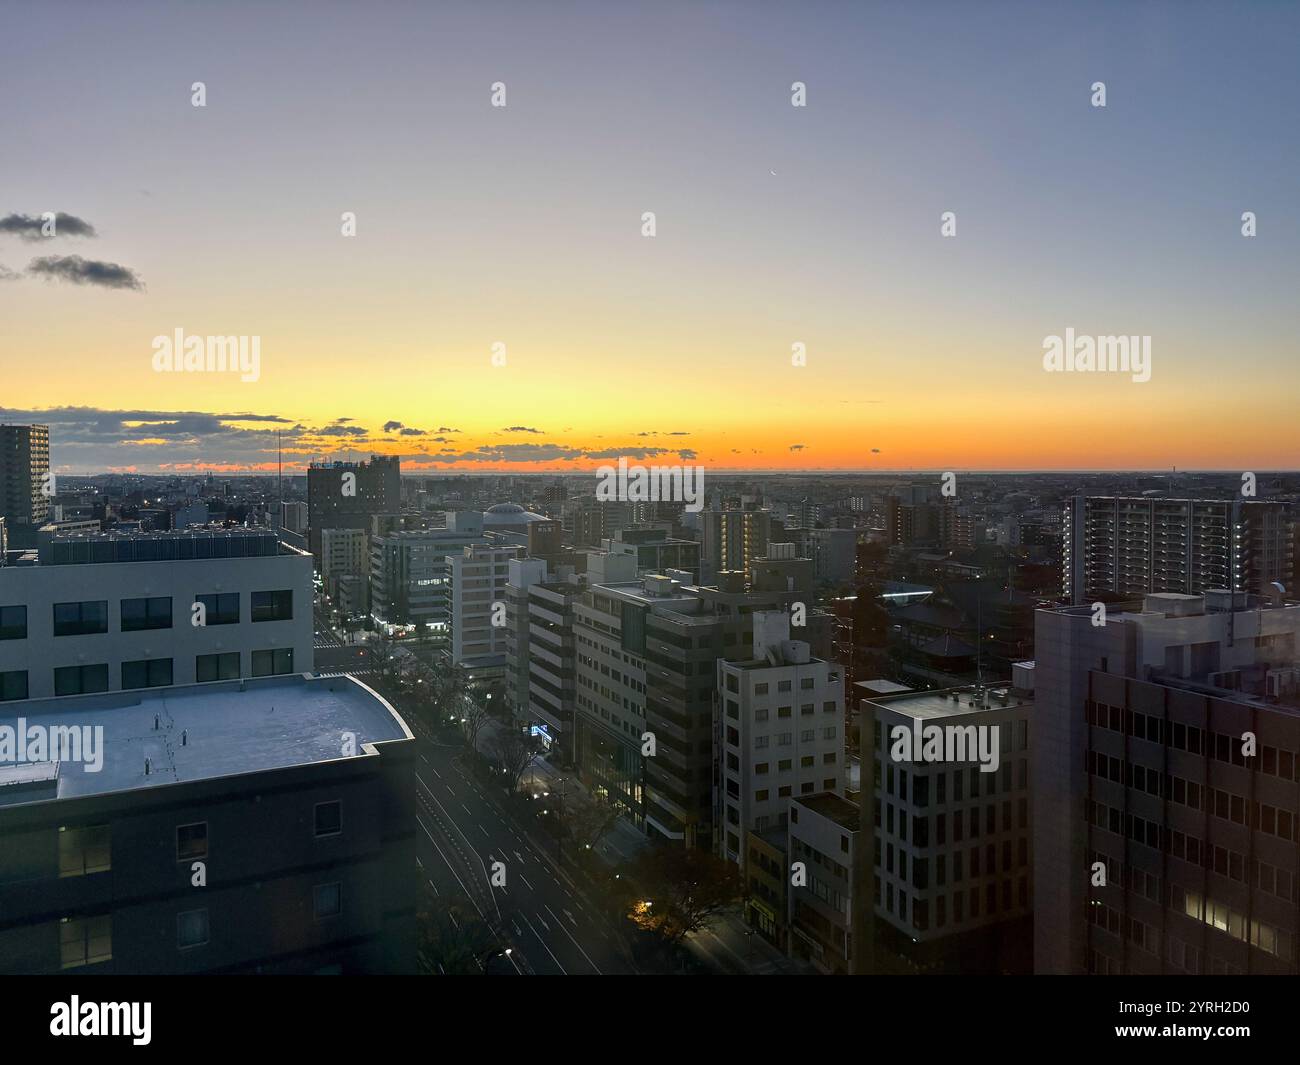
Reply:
x=910 y=519
x=732 y=539
x=1165 y=775
x=1116 y=547
x=24 y=481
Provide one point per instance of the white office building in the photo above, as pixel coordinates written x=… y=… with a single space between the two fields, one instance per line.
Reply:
x=107 y=612
x=781 y=733
x=476 y=582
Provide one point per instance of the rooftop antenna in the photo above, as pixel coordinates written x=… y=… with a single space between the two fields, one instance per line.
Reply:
x=279 y=463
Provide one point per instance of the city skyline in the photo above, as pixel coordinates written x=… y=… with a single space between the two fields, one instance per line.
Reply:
x=776 y=226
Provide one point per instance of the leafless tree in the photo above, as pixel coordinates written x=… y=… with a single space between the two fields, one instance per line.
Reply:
x=591 y=820
x=516 y=751
x=384 y=660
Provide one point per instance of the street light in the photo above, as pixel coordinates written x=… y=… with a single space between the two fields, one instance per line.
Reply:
x=492 y=953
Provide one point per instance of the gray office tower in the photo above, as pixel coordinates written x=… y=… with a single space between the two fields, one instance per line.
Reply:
x=344 y=495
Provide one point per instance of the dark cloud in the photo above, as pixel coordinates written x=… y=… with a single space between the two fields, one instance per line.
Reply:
x=634 y=452
x=521 y=429
x=445 y=429
x=340 y=430
x=403 y=430
x=29 y=228
x=81 y=271
x=797 y=447
x=8 y=275
x=91 y=438
x=688 y=453
x=511 y=453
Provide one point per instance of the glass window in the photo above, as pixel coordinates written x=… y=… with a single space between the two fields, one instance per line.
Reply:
x=221 y=609
x=85 y=940
x=81 y=680
x=151 y=613
x=329 y=818
x=192 y=841
x=327 y=900
x=13 y=622
x=81 y=619
x=191 y=929
x=217 y=667
x=13 y=685
x=273 y=663
x=84 y=850
x=273 y=606
x=146 y=673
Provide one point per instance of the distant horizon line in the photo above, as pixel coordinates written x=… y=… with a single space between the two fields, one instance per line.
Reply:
x=739 y=470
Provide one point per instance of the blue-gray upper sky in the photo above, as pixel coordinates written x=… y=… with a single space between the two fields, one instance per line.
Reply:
x=776 y=224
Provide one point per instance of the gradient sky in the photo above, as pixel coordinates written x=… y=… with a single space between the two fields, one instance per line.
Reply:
x=775 y=225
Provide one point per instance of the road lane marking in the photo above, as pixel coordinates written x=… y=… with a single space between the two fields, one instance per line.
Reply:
x=544 y=946
x=574 y=941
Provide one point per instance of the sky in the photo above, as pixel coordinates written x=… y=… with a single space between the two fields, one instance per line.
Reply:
x=775 y=225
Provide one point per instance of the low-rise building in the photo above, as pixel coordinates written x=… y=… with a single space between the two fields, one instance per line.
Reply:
x=256 y=826
x=822 y=851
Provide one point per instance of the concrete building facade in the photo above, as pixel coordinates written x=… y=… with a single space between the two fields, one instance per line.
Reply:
x=105 y=613
x=255 y=826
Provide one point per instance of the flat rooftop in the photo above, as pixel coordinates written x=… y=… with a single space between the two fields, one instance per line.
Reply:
x=272 y=723
x=929 y=705
x=171 y=545
x=831 y=806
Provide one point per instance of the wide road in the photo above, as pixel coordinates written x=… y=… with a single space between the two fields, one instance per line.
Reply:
x=546 y=922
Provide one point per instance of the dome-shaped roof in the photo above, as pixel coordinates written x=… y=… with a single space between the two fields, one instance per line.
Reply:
x=505 y=508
